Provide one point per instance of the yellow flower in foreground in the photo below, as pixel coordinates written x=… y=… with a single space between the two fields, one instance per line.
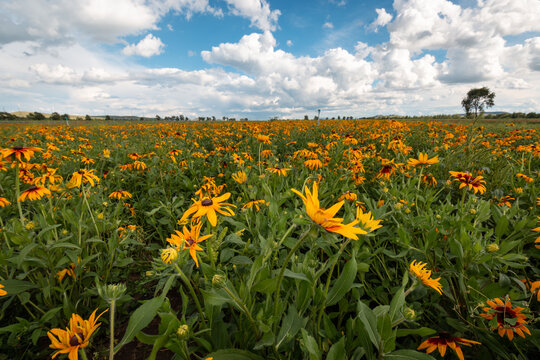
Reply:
x=442 y=341
x=325 y=217
x=2 y=291
x=240 y=177
x=189 y=239
x=209 y=206
x=34 y=193
x=75 y=337
x=418 y=270
x=423 y=160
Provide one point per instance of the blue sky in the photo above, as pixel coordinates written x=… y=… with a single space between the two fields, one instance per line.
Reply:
x=267 y=58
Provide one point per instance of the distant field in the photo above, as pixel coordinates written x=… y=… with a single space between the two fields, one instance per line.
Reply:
x=356 y=239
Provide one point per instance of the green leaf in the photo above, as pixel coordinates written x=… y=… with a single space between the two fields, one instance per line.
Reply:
x=311 y=346
x=408 y=355
x=423 y=331
x=368 y=319
x=337 y=351
x=241 y=260
x=14 y=287
x=216 y=297
x=291 y=324
x=265 y=286
x=139 y=320
x=234 y=354
x=295 y=275
x=397 y=304
x=343 y=284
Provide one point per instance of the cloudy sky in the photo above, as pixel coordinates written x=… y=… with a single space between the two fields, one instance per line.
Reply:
x=266 y=58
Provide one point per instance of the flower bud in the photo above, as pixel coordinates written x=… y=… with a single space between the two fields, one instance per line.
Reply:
x=472 y=211
x=409 y=314
x=492 y=247
x=183 y=332
x=169 y=255
x=218 y=281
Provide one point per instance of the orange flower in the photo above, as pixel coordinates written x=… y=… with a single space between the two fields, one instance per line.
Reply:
x=209 y=206
x=467 y=180
x=442 y=341
x=506 y=319
x=120 y=194
x=17 y=151
x=34 y=193
x=75 y=337
x=325 y=217
x=418 y=269
x=279 y=171
x=189 y=239
x=2 y=291
x=4 y=202
x=423 y=160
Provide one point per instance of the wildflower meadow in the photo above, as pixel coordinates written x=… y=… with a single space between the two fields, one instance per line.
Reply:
x=354 y=239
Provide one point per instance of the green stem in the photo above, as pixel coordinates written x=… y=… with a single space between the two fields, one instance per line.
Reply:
x=244 y=308
x=327 y=286
x=83 y=354
x=90 y=211
x=191 y=291
x=4 y=233
x=282 y=271
x=111 y=340
x=18 y=192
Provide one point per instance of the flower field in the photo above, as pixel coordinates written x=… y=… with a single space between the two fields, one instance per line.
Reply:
x=270 y=240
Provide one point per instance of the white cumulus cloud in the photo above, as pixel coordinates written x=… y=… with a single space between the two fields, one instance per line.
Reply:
x=383 y=18
x=257 y=11
x=149 y=46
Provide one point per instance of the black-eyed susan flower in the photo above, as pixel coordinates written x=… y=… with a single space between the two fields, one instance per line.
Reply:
x=189 y=240
x=82 y=176
x=325 y=217
x=240 y=177
x=446 y=340
x=34 y=193
x=69 y=271
x=278 y=170
x=506 y=319
x=263 y=138
x=2 y=291
x=120 y=194
x=505 y=201
x=169 y=255
x=75 y=337
x=525 y=177
x=208 y=206
x=418 y=269
x=18 y=151
x=255 y=204
x=466 y=179
x=348 y=196
x=313 y=164
x=423 y=160
x=4 y=202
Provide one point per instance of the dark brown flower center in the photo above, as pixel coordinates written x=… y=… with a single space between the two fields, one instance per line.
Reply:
x=80 y=172
x=206 y=202
x=190 y=241
x=32 y=188
x=504 y=312
x=17 y=148
x=76 y=339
